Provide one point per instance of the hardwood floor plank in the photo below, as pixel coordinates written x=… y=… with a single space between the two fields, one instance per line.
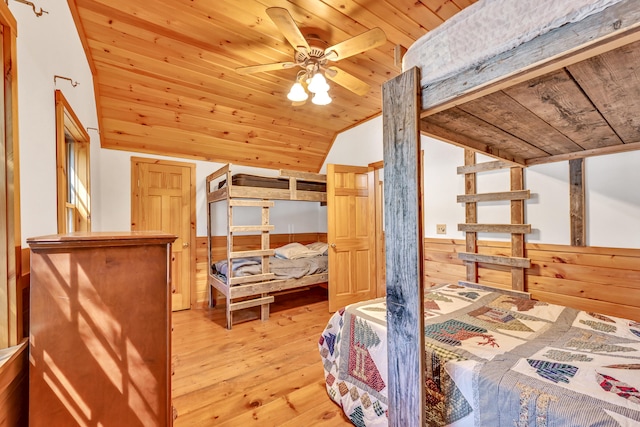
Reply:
x=259 y=373
x=282 y=410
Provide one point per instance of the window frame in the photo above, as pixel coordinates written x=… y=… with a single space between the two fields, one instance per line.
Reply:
x=12 y=284
x=68 y=124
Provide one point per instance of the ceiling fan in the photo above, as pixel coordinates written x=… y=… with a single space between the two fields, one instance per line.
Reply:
x=314 y=58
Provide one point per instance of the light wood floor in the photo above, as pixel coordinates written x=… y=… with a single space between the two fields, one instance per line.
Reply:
x=259 y=373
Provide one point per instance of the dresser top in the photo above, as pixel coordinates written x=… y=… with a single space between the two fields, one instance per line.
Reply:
x=105 y=238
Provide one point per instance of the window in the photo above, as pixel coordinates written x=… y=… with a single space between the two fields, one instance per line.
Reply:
x=74 y=200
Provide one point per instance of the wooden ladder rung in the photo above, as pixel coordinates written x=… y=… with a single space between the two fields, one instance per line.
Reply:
x=485 y=167
x=236 y=228
x=496 y=228
x=251 y=303
x=247 y=254
x=496 y=259
x=251 y=279
x=256 y=203
x=493 y=197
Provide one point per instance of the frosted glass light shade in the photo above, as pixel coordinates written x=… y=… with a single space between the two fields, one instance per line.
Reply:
x=318 y=84
x=297 y=93
x=321 y=98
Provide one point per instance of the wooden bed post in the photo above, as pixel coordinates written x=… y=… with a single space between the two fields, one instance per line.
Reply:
x=576 y=202
x=404 y=244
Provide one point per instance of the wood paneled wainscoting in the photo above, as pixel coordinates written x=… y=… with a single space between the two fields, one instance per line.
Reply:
x=603 y=280
x=219 y=251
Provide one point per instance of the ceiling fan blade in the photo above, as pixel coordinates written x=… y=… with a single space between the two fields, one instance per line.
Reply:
x=365 y=41
x=348 y=81
x=288 y=27
x=250 y=69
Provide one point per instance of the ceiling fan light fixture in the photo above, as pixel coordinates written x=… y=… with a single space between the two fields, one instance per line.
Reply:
x=321 y=98
x=312 y=56
x=318 y=84
x=297 y=93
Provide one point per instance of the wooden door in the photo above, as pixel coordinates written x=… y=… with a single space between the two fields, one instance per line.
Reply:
x=163 y=200
x=351 y=235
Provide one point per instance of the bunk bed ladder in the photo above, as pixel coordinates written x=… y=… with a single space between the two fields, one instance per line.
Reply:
x=264 y=253
x=516 y=262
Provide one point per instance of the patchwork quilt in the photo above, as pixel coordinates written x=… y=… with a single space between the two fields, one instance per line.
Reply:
x=493 y=358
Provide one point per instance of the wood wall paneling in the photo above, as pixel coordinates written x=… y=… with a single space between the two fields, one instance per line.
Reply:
x=604 y=280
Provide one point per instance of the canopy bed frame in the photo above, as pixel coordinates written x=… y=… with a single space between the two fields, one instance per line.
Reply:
x=566 y=94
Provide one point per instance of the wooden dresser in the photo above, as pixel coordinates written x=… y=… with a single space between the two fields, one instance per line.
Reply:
x=100 y=342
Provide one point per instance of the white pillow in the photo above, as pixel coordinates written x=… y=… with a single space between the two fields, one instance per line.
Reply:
x=319 y=247
x=294 y=251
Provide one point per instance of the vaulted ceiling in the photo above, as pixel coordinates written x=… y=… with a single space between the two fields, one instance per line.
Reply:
x=165 y=81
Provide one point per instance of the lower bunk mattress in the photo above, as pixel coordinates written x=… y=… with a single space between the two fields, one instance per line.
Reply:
x=493 y=358
x=282 y=268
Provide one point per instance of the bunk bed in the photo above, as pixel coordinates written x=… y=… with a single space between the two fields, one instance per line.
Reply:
x=562 y=90
x=248 y=277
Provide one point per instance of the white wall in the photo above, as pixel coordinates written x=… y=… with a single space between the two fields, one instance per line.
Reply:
x=46 y=46
x=613 y=200
x=358 y=146
x=286 y=216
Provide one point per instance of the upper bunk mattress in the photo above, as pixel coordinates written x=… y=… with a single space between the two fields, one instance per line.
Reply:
x=488 y=28
x=246 y=180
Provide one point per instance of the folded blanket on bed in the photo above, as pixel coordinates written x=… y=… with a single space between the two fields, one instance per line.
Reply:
x=282 y=268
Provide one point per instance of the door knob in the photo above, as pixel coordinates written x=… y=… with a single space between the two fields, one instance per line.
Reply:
x=185 y=245
x=333 y=245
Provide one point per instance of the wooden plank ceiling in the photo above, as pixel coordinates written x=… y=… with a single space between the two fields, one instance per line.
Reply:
x=165 y=80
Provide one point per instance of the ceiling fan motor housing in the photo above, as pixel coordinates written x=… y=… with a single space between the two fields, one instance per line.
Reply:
x=316 y=50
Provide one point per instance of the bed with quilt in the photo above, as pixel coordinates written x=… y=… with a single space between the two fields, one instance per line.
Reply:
x=494 y=358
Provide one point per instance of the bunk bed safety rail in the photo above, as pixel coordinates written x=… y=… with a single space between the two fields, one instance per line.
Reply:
x=293 y=176
x=306 y=176
x=223 y=171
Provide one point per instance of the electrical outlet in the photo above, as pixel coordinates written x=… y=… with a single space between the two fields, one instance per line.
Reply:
x=441 y=228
